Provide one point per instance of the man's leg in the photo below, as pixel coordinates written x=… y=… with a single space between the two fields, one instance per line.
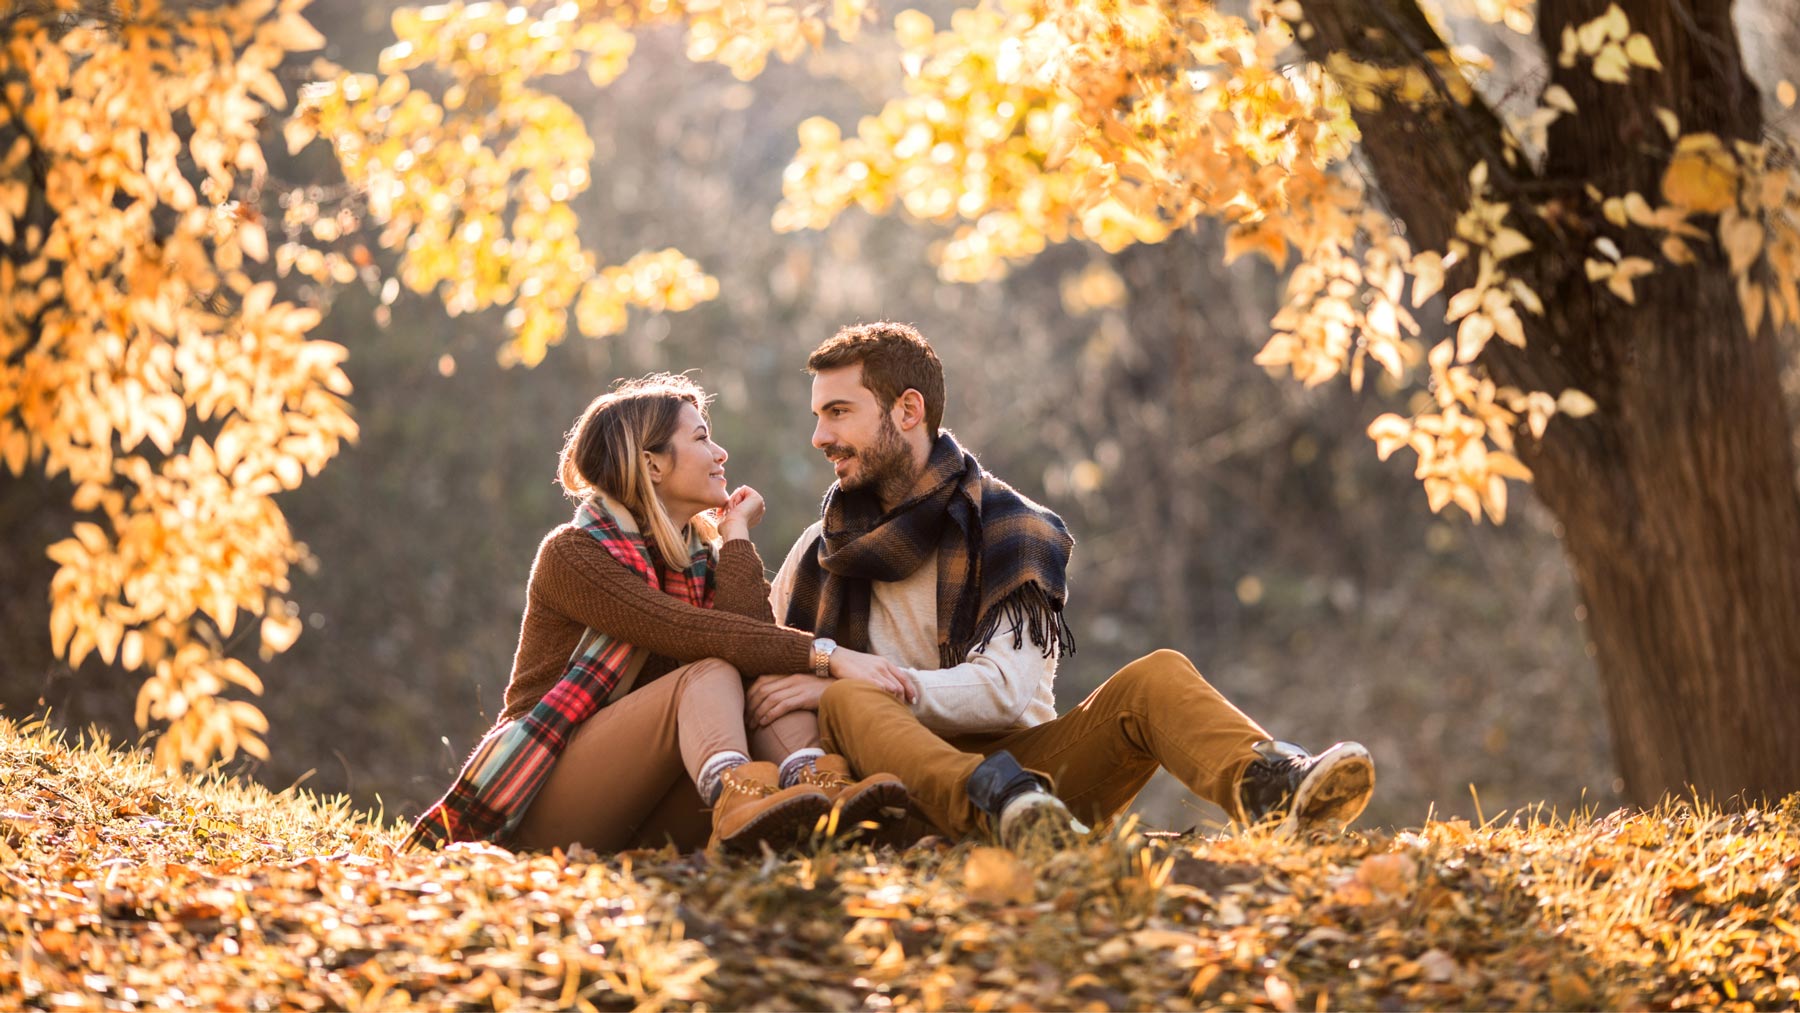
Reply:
x=874 y=732
x=1158 y=710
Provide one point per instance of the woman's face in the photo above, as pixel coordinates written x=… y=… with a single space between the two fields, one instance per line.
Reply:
x=690 y=473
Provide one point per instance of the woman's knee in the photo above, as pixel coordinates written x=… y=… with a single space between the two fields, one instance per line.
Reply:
x=709 y=672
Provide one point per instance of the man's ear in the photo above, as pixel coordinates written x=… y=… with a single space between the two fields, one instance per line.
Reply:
x=912 y=409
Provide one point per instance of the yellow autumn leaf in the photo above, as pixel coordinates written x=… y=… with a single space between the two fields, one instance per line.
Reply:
x=1590 y=36
x=1620 y=285
x=1462 y=304
x=295 y=34
x=1641 y=52
x=1575 y=404
x=1611 y=65
x=1427 y=270
x=1390 y=432
x=1671 y=123
x=997 y=876
x=1753 y=299
x=1613 y=22
x=913 y=29
x=280 y=632
x=1508 y=243
x=1438 y=493
x=253 y=240
x=1700 y=179
x=1472 y=336
x=1742 y=238
x=1508 y=325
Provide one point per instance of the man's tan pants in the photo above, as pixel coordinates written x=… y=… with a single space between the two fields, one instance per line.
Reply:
x=1156 y=711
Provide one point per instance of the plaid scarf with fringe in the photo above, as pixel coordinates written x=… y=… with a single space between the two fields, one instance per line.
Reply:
x=512 y=762
x=1001 y=559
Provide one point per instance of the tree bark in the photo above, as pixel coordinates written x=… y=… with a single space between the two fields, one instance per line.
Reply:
x=1677 y=499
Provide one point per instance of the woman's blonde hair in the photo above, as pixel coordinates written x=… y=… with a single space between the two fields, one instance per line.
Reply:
x=603 y=452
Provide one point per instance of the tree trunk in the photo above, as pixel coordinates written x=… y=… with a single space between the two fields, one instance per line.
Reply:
x=1677 y=500
x=1683 y=529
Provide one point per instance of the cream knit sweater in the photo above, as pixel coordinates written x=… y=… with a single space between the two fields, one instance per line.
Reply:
x=997 y=687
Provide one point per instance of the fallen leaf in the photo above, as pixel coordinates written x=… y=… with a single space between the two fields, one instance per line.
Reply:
x=996 y=876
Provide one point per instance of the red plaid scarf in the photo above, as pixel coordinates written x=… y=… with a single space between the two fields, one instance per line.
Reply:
x=512 y=762
x=1001 y=558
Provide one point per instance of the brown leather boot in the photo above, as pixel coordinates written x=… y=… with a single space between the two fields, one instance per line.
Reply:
x=878 y=798
x=753 y=808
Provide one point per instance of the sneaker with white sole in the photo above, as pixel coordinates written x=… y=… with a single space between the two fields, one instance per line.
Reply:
x=1306 y=793
x=1018 y=801
x=1021 y=817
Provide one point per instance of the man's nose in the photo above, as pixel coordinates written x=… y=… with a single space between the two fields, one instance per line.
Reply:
x=821 y=439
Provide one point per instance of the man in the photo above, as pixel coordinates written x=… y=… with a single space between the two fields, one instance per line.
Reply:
x=927 y=560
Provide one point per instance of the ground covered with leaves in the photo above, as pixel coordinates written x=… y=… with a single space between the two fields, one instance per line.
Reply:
x=122 y=888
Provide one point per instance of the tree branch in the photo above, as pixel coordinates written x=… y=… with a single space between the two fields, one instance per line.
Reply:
x=1422 y=154
x=1432 y=146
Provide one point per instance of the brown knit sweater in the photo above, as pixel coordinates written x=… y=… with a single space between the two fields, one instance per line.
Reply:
x=576 y=583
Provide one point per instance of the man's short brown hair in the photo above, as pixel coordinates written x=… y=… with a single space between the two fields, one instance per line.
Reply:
x=894 y=357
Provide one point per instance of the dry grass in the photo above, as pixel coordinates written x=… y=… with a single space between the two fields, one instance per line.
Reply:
x=121 y=888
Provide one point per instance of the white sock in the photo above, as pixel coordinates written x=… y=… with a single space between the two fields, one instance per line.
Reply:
x=797 y=761
x=713 y=769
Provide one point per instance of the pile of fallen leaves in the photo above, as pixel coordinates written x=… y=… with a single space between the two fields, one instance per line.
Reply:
x=121 y=888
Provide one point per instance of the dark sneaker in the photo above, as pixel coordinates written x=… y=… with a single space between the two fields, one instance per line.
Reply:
x=1306 y=793
x=1017 y=801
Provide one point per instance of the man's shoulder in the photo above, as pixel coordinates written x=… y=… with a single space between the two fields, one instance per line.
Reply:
x=801 y=544
x=809 y=536
x=998 y=496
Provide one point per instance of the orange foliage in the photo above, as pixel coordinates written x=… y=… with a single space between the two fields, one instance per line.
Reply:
x=1029 y=122
x=140 y=354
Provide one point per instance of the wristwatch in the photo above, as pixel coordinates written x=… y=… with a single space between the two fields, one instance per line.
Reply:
x=821 y=655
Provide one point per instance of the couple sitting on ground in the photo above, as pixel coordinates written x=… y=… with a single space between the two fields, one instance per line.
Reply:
x=904 y=657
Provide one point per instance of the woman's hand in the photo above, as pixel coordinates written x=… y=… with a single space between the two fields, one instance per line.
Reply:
x=848 y=664
x=743 y=511
x=771 y=696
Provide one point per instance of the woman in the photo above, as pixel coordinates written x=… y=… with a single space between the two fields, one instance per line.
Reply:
x=624 y=717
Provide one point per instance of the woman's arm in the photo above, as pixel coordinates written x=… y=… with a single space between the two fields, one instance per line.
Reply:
x=578 y=578
x=739 y=585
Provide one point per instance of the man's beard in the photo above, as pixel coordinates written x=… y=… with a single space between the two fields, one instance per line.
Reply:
x=887 y=466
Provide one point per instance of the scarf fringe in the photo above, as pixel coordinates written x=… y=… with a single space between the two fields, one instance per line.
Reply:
x=1031 y=613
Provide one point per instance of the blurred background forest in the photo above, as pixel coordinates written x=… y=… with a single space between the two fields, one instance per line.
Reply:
x=1239 y=518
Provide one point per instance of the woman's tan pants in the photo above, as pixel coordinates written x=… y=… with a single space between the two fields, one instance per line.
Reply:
x=626 y=778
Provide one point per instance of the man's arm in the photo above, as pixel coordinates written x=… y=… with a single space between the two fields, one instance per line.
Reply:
x=998 y=687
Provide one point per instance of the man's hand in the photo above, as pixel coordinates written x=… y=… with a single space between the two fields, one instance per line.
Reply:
x=771 y=696
x=848 y=664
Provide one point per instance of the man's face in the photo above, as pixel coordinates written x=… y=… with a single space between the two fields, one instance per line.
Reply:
x=859 y=438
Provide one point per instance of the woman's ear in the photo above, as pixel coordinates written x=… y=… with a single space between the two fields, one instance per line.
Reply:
x=653 y=466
